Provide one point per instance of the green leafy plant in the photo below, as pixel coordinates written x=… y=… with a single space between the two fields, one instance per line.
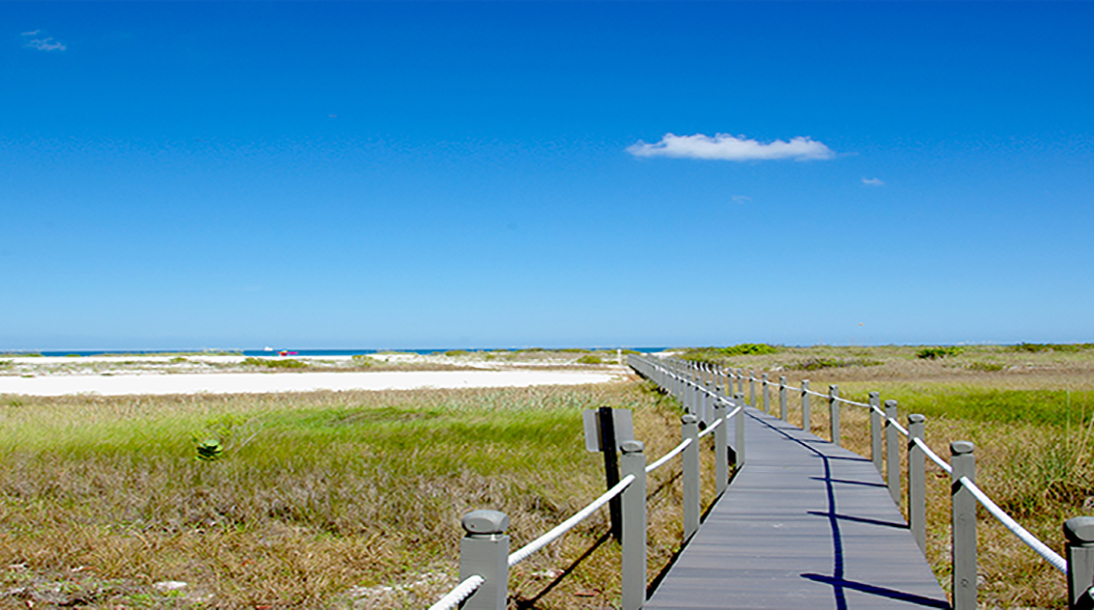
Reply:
x=937 y=353
x=209 y=450
x=590 y=359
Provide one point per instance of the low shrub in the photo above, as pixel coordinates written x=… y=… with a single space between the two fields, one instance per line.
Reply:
x=590 y=359
x=985 y=367
x=816 y=364
x=1034 y=348
x=288 y=363
x=937 y=353
x=363 y=360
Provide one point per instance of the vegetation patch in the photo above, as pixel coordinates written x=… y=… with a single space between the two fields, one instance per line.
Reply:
x=590 y=359
x=985 y=367
x=286 y=363
x=1033 y=348
x=818 y=363
x=713 y=354
x=363 y=360
x=937 y=353
x=309 y=500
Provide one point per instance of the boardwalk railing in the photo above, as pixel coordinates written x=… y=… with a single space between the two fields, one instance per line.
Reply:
x=484 y=551
x=707 y=392
x=884 y=430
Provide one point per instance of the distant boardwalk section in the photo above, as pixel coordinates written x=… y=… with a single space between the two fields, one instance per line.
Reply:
x=244 y=383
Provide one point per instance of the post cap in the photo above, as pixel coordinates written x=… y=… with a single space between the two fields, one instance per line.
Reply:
x=689 y=419
x=874 y=394
x=739 y=396
x=916 y=418
x=1079 y=530
x=890 y=403
x=632 y=446
x=961 y=447
x=485 y=522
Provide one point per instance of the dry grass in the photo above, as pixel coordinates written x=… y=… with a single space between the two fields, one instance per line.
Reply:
x=320 y=500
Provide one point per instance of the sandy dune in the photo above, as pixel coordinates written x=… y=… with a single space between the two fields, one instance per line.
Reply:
x=241 y=383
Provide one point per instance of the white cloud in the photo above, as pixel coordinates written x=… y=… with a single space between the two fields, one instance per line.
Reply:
x=42 y=44
x=741 y=199
x=725 y=147
x=873 y=181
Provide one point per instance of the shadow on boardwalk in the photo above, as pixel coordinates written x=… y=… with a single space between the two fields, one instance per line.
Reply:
x=805 y=524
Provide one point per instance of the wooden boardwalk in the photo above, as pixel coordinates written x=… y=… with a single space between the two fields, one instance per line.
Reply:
x=804 y=525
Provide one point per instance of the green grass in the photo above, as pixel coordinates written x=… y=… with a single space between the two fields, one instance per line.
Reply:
x=817 y=364
x=349 y=489
x=985 y=404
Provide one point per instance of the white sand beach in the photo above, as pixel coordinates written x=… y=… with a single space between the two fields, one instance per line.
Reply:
x=243 y=383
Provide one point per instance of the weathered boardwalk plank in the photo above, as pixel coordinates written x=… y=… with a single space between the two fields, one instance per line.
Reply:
x=805 y=524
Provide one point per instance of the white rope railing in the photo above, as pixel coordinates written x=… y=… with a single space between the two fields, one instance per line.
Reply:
x=668 y=456
x=460 y=593
x=934 y=456
x=537 y=544
x=897 y=425
x=711 y=427
x=1023 y=534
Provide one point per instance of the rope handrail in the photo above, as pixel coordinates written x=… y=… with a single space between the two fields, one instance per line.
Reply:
x=854 y=403
x=537 y=544
x=458 y=594
x=668 y=456
x=934 y=456
x=1023 y=534
x=897 y=425
x=711 y=427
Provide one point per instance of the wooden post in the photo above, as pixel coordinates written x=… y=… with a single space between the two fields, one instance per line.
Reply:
x=964 y=526
x=1079 y=533
x=484 y=551
x=634 y=526
x=892 y=451
x=833 y=412
x=739 y=445
x=875 y=431
x=782 y=397
x=721 y=449
x=752 y=389
x=611 y=467
x=917 y=482
x=806 y=424
x=767 y=395
x=690 y=473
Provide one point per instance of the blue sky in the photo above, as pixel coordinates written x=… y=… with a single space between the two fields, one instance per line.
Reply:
x=415 y=175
